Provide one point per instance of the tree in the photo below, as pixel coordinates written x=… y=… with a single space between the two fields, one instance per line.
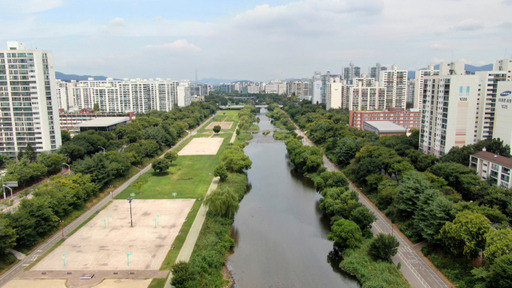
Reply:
x=500 y=272
x=222 y=202
x=465 y=235
x=498 y=243
x=433 y=211
x=3 y=160
x=7 y=235
x=171 y=156
x=52 y=162
x=383 y=247
x=235 y=160
x=363 y=217
x=160 y=166
x=216 y=129
x=96 y=107
x=182 y=275
x=413 y=185
x=345 y=234
x=30 y=153
x=220 y=171
x=65 y=136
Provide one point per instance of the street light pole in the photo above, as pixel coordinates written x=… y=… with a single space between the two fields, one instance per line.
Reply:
x=131 y=219
x=10 y=189
x=102 y=148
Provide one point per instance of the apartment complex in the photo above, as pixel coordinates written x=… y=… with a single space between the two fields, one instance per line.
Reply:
x=492 y=167
x=449 y=108
x=135 y=95
x=395 y=82
x=28 y=103
x=461 y=109
x=409 y=119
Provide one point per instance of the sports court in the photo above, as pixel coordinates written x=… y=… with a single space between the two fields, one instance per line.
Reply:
x=202 y=146
x=107 y=242
x=223 y=124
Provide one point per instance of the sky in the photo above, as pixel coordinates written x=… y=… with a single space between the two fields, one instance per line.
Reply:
x=256 y=40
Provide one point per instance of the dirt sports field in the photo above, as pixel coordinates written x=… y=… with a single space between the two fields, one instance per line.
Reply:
x=223 y=125
x=202 y=146
x=107 y=242
x=61 y=283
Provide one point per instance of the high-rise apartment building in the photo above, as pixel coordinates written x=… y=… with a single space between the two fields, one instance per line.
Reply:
x=367 y=98
x=135 y=95
x=395 y=82
x=488 y=97
x=351 y=72
x=334 y=94
x=375 y=71
x=503 y=117
x=317 y=88
x=28 y=102
x=418 y=85
x=448 y=112
x=302 y=89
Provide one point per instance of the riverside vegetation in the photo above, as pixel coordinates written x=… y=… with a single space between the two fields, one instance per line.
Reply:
x=440 y=201
x=209 y=256
x=350 y=221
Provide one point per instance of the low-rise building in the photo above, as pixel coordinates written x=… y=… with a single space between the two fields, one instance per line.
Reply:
x=492 y=167
x=384 y=128
x=409 y=119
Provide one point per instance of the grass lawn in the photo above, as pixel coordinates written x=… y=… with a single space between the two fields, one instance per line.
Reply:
x=189 y=177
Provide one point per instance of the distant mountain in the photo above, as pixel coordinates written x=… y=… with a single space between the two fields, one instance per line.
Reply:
x=469 y=68
x=217 y=81
x=69 y=77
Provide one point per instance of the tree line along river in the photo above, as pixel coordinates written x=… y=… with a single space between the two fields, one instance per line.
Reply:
x=281 y=239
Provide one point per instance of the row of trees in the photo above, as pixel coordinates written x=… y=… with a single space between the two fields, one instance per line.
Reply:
x=431 y=199
x=129 y=144
x=350 y=219
x=39 y=216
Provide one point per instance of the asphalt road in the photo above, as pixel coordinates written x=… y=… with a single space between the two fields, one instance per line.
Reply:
x=44 y=247
x=414 y=267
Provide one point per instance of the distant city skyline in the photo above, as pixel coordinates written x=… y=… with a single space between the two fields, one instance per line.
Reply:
x=254 y=40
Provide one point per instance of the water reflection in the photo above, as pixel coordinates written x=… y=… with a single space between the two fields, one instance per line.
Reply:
x=281 y=236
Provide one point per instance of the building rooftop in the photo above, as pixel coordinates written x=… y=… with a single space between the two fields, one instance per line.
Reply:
x=103 y=122
x=498 y=159
x=386 y=126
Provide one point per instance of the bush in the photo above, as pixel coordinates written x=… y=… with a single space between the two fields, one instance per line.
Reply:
x=345 y=234
x=220 y=171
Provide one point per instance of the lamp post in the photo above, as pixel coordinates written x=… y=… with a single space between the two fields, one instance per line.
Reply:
x=131 y=219
x=69 y=167
x=102 y=148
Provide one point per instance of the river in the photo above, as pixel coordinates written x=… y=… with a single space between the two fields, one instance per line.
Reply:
x=281 y=240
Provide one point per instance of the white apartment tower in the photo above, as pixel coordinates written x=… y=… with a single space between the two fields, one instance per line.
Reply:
x=418 y=84
x=334 y=94
x=28 y=103
x=503 y=117
x=317 y=88
x=488 y=97
x=395 y=82
x=448 y=112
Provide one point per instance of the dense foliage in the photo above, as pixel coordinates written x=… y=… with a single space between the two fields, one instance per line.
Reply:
x=429 y=198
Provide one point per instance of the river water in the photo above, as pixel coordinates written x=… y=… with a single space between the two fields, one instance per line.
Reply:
x=281 y=240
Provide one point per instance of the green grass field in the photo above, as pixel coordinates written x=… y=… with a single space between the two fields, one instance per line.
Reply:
x=189 y=177
x=223 y=116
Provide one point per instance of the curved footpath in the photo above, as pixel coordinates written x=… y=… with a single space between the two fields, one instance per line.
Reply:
x=418 y=270
x=49 y=243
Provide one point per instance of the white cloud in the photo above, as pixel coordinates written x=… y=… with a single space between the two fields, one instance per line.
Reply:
x=118 y=21
x=178 y=45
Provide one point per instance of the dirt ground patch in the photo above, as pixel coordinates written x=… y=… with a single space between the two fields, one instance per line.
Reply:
x=223 y=125
x=61 y=283
x=108 y=242
x=202 y=146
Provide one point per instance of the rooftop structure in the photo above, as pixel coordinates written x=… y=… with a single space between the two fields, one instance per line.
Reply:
x=384 y=128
